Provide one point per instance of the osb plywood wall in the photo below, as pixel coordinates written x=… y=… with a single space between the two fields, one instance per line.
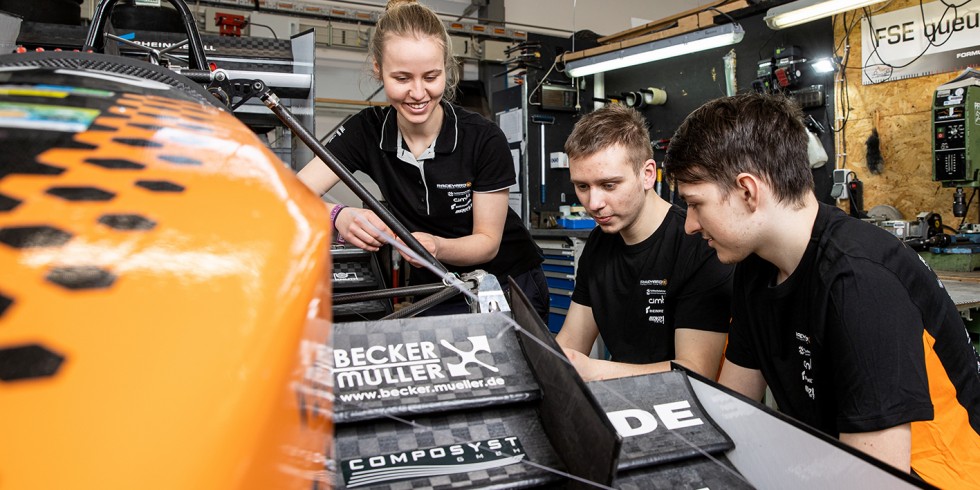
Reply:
x=904 y=110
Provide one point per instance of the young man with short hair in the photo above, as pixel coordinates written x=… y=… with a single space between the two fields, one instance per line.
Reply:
x=655 y=293
x=849 y=328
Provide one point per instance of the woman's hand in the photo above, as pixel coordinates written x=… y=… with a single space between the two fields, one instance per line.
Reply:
x=362 y=228
x=430 y=242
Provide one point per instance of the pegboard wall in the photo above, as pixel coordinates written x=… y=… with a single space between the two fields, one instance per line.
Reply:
x=557 y=189
x=689 y=80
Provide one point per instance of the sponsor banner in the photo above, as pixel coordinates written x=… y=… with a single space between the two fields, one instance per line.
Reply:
x=419 y=365
x=917 y=42
x=489 y=448
x=661 y=421
x=433 y=461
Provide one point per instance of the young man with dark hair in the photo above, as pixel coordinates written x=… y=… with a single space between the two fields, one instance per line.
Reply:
x=655 y=293
x=849 y=328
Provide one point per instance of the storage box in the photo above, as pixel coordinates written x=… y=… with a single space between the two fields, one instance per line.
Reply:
x=576 y=224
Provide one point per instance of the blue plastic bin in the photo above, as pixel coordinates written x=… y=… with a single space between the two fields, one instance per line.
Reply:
x=576 y=224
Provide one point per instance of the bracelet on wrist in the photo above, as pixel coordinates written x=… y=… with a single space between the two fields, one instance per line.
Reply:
x=333 y=221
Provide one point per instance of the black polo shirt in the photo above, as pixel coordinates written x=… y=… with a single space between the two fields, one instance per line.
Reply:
x=434 y=193
x=641 y=294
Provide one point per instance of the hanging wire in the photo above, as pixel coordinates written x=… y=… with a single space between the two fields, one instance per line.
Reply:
x=932 y=43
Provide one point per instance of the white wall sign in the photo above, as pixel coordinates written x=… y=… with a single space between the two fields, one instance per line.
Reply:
x=915 y=42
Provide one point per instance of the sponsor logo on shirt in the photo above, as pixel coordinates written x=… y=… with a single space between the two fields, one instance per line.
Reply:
x=938 y=281
x=807 y=374
x=460 y=197
x=656 y=298
x=338 y=132
x=461 y=205
x=433 y=461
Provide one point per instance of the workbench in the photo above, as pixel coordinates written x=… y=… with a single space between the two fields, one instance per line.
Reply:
x=964 y=288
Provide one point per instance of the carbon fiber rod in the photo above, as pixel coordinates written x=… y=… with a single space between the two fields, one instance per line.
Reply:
x=425 y=304
x=272 y=102
x=425 y=289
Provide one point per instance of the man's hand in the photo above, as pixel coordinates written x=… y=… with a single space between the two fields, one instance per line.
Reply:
x=589 y=369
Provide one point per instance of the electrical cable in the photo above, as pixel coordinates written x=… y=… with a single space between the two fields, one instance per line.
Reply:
x=847 y=29
x=844 y=98
x=842 y=94
x=841 y=79
x=954 y=6
x=892 y=67
x=541 y=82
x=922 y=13
x=725 y=14
x=267 y=27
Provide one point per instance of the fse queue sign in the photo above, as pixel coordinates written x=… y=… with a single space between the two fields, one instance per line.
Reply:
x=914 y=42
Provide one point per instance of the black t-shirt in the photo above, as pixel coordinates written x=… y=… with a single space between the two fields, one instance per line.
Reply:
x=639 y=294
x=434 y=194
x=841 y=341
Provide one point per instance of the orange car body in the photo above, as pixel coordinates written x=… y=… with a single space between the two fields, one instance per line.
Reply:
x=164 y=297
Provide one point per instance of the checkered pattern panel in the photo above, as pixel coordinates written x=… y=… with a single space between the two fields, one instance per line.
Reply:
x=389 y=436
x=250 y=47
x=504 y=364
x=661 y=444
x=353 y=275
x=692 y=474
x=359 y=311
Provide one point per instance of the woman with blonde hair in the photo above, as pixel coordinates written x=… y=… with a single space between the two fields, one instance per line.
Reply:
x=444 y=171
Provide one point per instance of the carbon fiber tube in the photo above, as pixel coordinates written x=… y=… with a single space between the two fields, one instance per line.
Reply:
x=425 y=304
x=272 y=102
x=423 y=290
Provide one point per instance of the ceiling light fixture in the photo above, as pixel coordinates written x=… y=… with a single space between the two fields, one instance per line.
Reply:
x=712 y=37
x=802 y=11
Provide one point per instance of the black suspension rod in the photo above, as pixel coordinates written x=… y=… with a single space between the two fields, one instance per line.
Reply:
x=423 y=290
x=420 y=306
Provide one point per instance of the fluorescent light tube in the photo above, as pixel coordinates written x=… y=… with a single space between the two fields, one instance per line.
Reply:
x=802 y=11
x=691 y=42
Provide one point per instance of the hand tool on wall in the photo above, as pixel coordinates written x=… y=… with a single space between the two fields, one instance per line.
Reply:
x=543 y=120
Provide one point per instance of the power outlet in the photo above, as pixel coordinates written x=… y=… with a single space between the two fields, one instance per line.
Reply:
x=839 y=190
